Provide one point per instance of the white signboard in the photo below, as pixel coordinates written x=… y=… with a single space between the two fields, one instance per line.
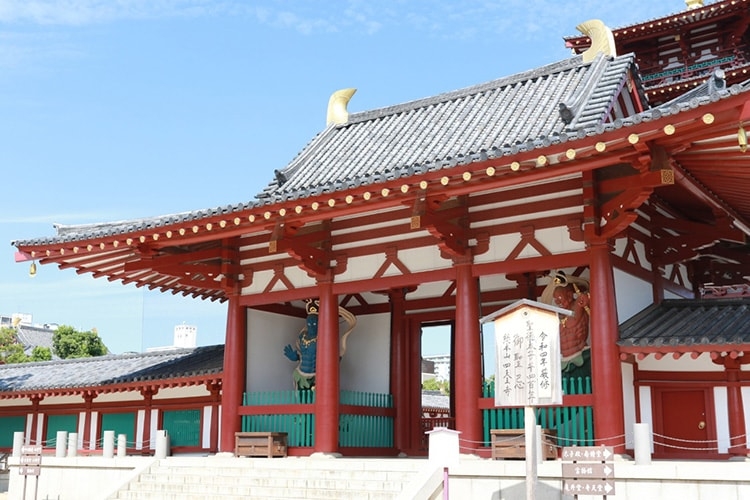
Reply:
x=527 y=344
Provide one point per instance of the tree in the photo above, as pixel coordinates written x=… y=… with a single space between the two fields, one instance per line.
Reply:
x=433 y=384
x=67 y=342
x=11 y=351
x=40 y=353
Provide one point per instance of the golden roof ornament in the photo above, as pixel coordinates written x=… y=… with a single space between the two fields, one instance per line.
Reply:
x=337 y=112
x=602 y=39
x=694 y=4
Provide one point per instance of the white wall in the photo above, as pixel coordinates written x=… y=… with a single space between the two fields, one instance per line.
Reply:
x=365 y=367
x=267 y=334
x=628 y=391
x=632 y=295
x=722 y=419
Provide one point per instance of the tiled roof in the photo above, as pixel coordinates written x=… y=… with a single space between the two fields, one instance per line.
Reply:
x=435 y=399
x=698 y=324
x=676 y=18
x=112 y=369
x=493 y=119
x=33 y=336
x=499 y=118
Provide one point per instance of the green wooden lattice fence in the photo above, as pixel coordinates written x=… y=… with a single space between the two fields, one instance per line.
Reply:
x=574 y=424
x=355 y=430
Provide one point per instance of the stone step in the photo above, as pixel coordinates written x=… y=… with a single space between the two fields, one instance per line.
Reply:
x=271 y=479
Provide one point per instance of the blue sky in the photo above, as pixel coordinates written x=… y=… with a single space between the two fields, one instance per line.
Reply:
x=115 y=110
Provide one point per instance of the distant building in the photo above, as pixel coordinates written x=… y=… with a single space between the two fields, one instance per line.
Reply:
x=28 y=334
x=185 y=336
x=442 y=366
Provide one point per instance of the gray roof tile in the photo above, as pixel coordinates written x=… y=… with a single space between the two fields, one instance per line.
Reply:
x=499 y=118
x=33 y=336
x=676 y=323
x=112 y=369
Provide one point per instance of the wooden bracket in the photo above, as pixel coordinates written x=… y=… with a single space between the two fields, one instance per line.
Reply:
x=619 y=212
x=453 y=238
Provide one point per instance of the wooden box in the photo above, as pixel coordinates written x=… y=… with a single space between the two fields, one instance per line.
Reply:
x=511 y=443
x=260 y=444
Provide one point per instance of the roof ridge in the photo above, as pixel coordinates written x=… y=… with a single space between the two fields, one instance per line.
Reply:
x=546 y=70
x=110 y=357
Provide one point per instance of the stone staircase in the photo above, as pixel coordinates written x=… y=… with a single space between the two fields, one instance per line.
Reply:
x=224 y=478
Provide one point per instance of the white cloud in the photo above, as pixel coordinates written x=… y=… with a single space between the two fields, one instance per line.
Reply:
x=80 y=12
x=467 y=19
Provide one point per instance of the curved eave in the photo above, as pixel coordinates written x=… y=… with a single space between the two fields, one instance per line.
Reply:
x=134 y=385
x=653 y=27
x=716 y=351
x=734 y=75
x=123 y=254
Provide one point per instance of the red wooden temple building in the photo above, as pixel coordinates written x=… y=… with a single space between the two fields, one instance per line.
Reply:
x=676 y=52
x=446 y=209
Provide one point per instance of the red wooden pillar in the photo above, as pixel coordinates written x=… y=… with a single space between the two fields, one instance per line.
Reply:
x=737 y=438
x=233 y=381
x=87 y=438
x=467 y=360
x=215 y=389
x=34 y=437
x=413 y=385
x=327 y=372
x=606 y=372
x=148 y=397
x=398 y=371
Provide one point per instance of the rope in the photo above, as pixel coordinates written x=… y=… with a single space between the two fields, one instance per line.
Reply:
x=616 y=441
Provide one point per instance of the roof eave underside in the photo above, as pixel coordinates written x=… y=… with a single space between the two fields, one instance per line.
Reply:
x=239 y=220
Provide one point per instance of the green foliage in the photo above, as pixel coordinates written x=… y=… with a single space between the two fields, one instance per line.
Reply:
x=41 y=354
x=434 y=384
x=68 y=342
x=12 y=352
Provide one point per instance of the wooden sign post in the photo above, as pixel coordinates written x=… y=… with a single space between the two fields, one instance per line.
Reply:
x=527 y=345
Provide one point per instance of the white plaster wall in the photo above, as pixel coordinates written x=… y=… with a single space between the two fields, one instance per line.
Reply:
x=358 y=268
x=15 y=403
x=27 y=431
x=557 y=240
x=640 y=251
x=61 y=400
x=81 y=428
x=206 y=431
x=500 y=247
x=154 y=428
x=632 y=295
x=259 y=283
x=647 y=416
x=722 y=419
x=139 y=424
x=685 y=364
x=298 y=278
x=746 y=406
x=421 y=259
x=628 y=391
x=191 y=391
x=365 y=367
x=119 y=397
x=92 y=429
x=267 y=334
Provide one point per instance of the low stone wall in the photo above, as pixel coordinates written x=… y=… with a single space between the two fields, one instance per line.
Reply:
x=76 y=478
x=81 y=478
x=693 y=480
